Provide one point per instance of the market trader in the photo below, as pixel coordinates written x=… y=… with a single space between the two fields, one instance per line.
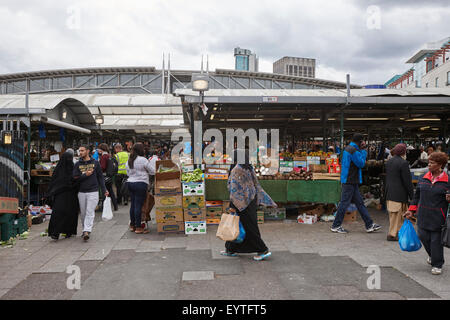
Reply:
x=353 y=160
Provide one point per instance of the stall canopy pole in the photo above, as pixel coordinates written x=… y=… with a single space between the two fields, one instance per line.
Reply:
x=27 y=106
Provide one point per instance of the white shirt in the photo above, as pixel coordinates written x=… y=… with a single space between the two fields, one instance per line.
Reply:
x=141 y=169
x=152 y=161
x=424 y=156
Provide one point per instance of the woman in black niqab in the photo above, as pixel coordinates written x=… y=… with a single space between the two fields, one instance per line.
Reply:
x=64 y=199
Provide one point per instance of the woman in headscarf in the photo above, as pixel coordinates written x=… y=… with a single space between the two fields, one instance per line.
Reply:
x=65 y=205
x=246 y=195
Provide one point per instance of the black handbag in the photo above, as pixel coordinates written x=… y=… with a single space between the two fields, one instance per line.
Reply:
x=445 y=233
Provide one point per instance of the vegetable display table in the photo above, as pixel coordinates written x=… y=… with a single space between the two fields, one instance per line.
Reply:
x=321 y=191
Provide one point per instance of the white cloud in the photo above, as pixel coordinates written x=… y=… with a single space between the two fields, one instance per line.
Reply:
x=41 y=35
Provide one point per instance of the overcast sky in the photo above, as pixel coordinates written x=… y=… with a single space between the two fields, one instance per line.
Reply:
x=371 y=40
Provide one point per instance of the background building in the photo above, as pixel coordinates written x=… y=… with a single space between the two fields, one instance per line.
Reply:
x=292 y=66
x=430 y=68
x=245 y=60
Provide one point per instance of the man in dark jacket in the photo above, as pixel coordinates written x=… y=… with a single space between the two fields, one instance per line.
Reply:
x=88 y=174
x=353 y=160
x=399 y=189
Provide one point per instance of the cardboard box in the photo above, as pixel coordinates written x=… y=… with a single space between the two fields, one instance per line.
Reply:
x=170 y=227
x=167 y=182
x=350 y=216
x=167 y=175
x=307 y=219
x=260 y=216
x=274 y=213
x=214 y=203
x=213 y=221
x=195 y=227
x=319 y=168
x=168 y=201
x=9 y=205
x=213 y=214
x=193 y=202
x=169 y=215
x=225 y=205
x=217 y=176
x=168 y=187
x=34 y=210
x=194 y=214
x=193 y=189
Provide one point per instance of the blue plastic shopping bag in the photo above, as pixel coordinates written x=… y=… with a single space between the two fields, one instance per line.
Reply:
x=407 y=237
x=241 y=235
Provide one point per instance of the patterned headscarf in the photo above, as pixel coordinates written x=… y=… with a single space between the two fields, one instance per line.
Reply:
x=243 y=186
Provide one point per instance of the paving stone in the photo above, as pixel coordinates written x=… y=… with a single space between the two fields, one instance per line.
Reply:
x=149 y=246
x=97 y=253
x=3 y=292
x=197 y=275
x=60 y=263
x=124 y=244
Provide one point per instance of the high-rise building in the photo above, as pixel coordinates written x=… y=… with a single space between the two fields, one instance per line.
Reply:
x=245 y=60
x=293 y=66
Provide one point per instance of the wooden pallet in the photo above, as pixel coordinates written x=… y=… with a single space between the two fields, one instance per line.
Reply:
x=326 y=176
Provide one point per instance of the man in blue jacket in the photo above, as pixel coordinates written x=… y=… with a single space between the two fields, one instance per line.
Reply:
x=353 y=160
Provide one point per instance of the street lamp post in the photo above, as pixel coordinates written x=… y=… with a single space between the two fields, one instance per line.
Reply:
x=200 y=82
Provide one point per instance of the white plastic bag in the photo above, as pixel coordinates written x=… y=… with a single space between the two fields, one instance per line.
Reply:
x=107 y=210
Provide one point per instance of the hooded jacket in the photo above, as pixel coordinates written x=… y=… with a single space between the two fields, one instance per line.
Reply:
x=353 y=160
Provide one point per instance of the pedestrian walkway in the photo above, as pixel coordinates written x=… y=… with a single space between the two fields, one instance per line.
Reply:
x=308 y=262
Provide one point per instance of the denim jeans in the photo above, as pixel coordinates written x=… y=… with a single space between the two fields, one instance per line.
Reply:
x=350 y=194
x=138 y=193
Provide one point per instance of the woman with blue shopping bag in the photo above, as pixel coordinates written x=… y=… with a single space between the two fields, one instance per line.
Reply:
x=430 y=204
x=245 y=196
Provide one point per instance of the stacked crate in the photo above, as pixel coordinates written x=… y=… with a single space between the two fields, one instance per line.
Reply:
x=214 y=210
x=168 y=199
x=194 y=207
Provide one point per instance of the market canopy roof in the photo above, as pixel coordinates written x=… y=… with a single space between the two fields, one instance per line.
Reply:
x=120 y=111
x=310 y=112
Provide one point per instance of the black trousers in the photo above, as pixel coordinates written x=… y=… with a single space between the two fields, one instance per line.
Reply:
x=119 y=182
x=431 y=241
x=252 y=242
x=111 y=194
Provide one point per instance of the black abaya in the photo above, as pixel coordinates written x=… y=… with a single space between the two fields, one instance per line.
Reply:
x=252 y=242
x=65 y=205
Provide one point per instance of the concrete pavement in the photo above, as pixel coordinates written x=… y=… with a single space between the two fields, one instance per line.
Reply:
x=308 y=262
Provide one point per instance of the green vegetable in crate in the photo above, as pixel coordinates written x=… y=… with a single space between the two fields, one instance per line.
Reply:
x=196 y=175
x=163 y=169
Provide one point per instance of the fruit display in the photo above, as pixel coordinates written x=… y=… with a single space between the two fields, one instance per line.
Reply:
x=195 y=176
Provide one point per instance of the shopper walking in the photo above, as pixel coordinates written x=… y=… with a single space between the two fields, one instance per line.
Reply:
x=109 y=171
x=430 y=204
x=121 y=157
x=64 y=201
x=399 y=189
x=88 y=174
x=353 y=160
x=138 y=171
x=246 y=195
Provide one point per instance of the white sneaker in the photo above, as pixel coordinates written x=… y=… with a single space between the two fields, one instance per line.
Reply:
x=436 y=271
x=429 y=260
